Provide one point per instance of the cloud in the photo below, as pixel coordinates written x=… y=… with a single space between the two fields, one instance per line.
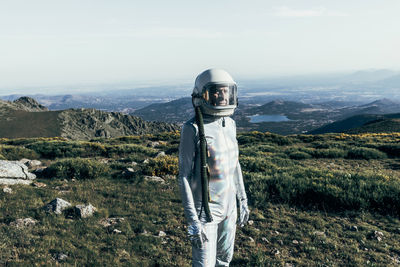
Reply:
x=312 y=12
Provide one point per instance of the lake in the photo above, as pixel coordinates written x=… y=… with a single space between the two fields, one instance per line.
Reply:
x=268 y=118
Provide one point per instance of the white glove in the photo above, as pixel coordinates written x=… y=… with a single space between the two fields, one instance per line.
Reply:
x=197 y=234
x=244 y=212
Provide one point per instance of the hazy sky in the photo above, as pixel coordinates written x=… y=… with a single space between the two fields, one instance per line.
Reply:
x=58 y=44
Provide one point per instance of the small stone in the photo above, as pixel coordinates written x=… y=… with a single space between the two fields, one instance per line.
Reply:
x=161 y=234
x=146 y=161
x=295 y=242
x=280 y=242
x=39 y=184
x=60 y=257
x=130 y=170
x=354 y=228
x=265 y=240
x=378 y=236
x=160 y=154
x=275 y=233
x=22 y=223
x=84 y=211
x=133 y=163
x=276 y=252
x=7 y=190
x=104 y=160
x=154 y=179
x=319 y=233
x=289 y=264
x=154 y=144
x=250 y=222
x=110 y=221
x=251 y=239
x=116 y=231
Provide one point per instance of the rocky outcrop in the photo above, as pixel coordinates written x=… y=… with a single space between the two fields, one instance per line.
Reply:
x=23 y=103
x=29 y=104
x=89 y=123
x=14 y=172
x=17 y=120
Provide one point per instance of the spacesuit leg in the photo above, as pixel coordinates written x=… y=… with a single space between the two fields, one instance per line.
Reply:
x=226 y=239
x=205 y=256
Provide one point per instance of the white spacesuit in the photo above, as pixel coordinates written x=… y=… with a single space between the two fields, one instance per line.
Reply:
x=212 y=220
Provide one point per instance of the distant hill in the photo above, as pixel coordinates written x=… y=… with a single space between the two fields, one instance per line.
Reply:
x=362 y=123
x=24 y=117
x=176 y=111
x=379 y=126
x=303 y=117
x=280 y=107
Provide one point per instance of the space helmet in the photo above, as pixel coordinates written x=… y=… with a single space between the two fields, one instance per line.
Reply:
x=215 y=92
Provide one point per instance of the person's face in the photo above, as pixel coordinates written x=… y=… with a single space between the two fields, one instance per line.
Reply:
x=219 y=96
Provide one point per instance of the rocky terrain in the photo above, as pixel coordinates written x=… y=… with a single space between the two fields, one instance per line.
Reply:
x=25 y=117
x=315 y=200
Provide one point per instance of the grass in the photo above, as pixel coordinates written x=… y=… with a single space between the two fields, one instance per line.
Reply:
x=334 y=224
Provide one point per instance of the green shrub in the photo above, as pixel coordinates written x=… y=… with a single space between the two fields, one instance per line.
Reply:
x=258 y=137
x=325 y=190
x=77 y=168
x=58 y=149
x=298 y=155
x=17 y=153
x=160 y=166
x=392 y=150
x=128 y=149
x=257 y=164
x=365 y=153
x=329 y=153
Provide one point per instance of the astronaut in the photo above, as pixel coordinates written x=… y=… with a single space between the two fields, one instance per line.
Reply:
x=210 y=177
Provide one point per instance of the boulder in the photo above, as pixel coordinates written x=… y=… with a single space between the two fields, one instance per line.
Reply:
x=15 y=172
x=31 y=163
x=84 y=211
x=57 y=206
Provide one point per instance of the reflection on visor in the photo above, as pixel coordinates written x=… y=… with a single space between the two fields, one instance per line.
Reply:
x=219 y=95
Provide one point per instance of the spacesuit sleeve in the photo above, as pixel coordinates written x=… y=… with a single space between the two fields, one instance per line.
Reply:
x=240 y=191
x=187 y=151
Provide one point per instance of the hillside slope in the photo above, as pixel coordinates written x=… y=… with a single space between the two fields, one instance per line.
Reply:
x=364 y=123
x=26 y=118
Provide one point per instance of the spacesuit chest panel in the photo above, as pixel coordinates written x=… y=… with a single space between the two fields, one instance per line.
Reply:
x=222 y=160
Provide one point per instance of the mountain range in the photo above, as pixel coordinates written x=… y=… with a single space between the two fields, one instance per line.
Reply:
x=302 y=117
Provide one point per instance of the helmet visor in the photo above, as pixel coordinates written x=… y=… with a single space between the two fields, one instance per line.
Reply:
x=220 y=95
